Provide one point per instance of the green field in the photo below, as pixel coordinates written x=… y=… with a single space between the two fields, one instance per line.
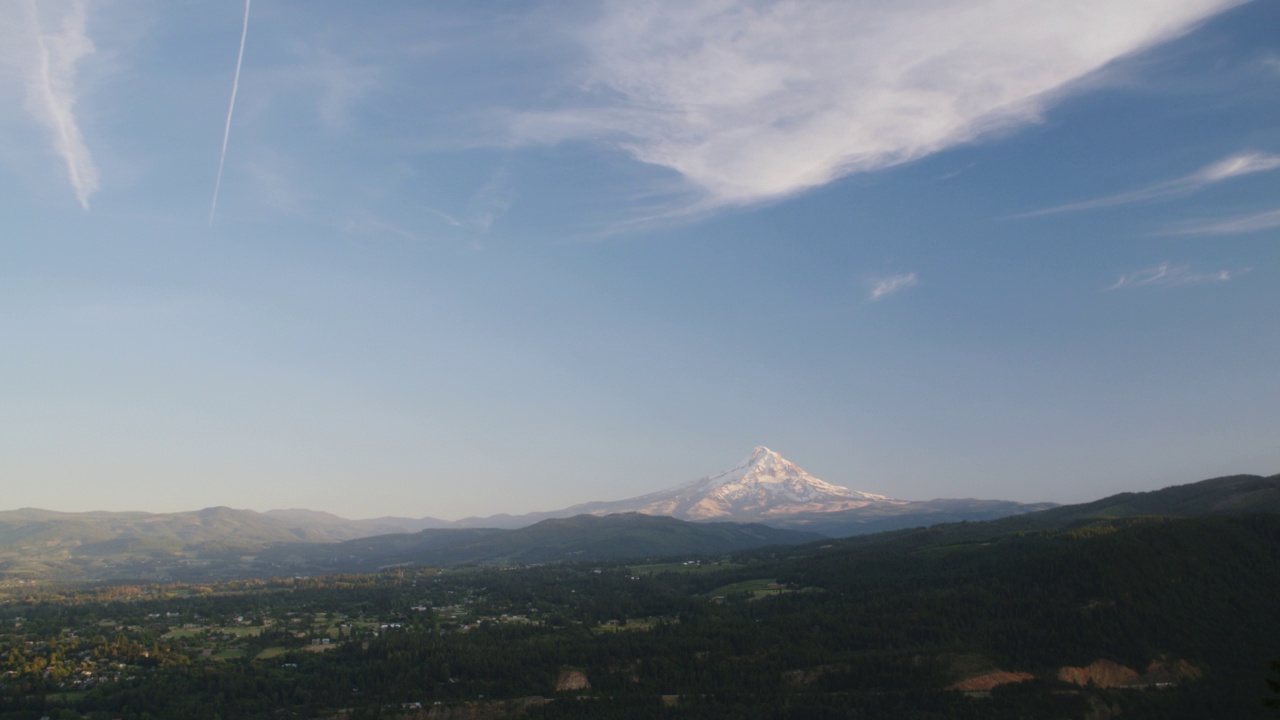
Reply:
x=756 y=588
x=240 y=631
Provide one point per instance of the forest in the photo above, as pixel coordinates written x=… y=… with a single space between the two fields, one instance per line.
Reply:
x=1138 y=617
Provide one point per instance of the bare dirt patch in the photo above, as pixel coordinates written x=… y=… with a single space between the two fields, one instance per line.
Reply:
x=1100 y=673
x=990 y=680
x=572 y=680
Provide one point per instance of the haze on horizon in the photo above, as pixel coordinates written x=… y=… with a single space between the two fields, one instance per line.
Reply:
x=465 y=261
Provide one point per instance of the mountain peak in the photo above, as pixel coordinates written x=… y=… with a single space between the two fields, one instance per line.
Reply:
x=764 y=484
x=763 y=487
x=761 y=455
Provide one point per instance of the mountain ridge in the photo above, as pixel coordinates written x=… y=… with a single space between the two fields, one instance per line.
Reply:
x=765 y=487
x=222 y=542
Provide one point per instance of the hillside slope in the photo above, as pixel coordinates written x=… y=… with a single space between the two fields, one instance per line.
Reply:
x=585 y=537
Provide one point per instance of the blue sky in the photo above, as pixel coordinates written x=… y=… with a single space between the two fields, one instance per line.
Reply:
x=470 y=258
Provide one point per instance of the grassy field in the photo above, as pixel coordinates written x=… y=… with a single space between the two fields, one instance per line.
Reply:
x=240 y=631
x=269 y=653
x=756 y=588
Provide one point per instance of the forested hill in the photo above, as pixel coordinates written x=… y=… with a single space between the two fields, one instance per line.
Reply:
x=584 y=537
x=1217 y=497
x=1115 y=609
x=1123 y=619
x=1142 y=593
x=1231 y=495
x=631 y=535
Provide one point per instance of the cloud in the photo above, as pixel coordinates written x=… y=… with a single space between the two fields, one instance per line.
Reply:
x=49 y=71
x=1231 y=226
x=491 y=201
x=336 y=82
x=273 y=179
x=376 y=225
x=1224 y=169
x=884 y=287
x=753 y=101
x=1234 y=166
x=1166 y=275
x=455 y=222
x=342 y=84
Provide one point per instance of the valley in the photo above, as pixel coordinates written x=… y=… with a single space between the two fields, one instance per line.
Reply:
x=1137 y=606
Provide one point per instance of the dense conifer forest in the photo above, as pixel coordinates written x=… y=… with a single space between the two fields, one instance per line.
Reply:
x=1138 y=617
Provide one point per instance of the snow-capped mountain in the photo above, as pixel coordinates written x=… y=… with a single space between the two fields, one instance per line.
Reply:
x=767 y=488
x=765 y=485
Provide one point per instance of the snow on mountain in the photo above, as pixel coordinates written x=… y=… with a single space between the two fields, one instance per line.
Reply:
x=767 y=488
x=765 y=485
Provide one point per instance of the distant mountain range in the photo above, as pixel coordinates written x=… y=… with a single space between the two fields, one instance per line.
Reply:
x=765 y=500
x=340 y=528
x=221 y=543
x=764 y=488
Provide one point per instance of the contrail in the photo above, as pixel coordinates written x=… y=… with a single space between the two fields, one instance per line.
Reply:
x=226 y=132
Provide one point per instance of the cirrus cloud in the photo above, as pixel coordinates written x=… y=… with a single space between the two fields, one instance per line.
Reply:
x=1254 y=222
x=753 y=101
x=45 y=42
x=1225 y=169
x=884 y=287
x=1166 y=275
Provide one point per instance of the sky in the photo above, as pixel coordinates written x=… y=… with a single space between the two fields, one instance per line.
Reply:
x=453 y=258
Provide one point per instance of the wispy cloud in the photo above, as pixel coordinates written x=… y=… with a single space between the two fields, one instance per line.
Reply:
x=1255 y=222
x=1166 y=275
x=1224 y=169
x=336 y=80
x=381 y=226
x=491 y=201
x=52 y=93
x=753 y=101
x=455 y=222
x=884 y=287
x=1235 y=166
x=342 y=84
x=274 y=181
x=226 y=131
